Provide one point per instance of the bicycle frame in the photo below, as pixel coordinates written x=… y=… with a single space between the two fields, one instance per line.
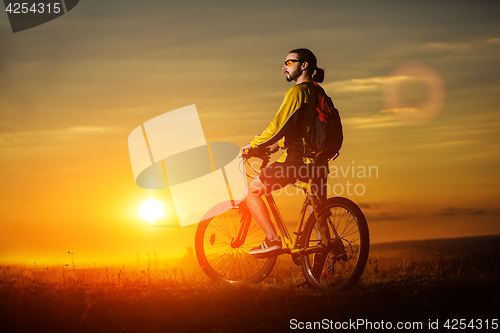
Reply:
x=292 y=244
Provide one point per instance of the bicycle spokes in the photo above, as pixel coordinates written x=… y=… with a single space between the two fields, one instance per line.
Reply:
x=340 y=246
x=222 y=246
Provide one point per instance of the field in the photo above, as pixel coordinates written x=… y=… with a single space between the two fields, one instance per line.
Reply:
x=418 y=283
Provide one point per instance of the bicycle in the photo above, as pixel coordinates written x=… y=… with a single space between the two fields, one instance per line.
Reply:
x=331 y=246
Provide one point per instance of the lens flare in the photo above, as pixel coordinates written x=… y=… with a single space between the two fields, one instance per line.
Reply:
x=425 y=93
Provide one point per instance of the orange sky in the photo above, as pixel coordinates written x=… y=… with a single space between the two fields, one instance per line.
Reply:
x=73 y=89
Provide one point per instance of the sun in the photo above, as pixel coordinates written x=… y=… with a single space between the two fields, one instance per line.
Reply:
x=151 y=210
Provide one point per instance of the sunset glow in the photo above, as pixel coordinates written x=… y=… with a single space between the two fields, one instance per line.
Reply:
x=151 y=210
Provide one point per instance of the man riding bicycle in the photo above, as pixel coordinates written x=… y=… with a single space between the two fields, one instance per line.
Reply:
x=287 y=131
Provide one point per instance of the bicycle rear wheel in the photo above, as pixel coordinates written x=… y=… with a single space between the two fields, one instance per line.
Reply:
x=340 y=261
x=221 y=259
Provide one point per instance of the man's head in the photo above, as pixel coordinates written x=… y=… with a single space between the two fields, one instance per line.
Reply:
x=301 y=65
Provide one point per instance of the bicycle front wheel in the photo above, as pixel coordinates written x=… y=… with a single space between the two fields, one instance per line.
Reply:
x=337 y=262
x=221 y=259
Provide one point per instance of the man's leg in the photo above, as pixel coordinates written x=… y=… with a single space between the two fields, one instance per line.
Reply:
x=255 y=190
x=320 y=184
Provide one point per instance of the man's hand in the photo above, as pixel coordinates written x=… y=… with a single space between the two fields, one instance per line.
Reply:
x=273 y=148
x=246 y=149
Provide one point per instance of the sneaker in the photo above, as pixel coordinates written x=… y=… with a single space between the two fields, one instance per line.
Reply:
x=267 y=247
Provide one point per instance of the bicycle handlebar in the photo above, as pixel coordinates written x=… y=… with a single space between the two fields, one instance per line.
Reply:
x=261 y=153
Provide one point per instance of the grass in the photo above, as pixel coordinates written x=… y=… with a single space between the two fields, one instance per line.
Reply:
x=410 y=283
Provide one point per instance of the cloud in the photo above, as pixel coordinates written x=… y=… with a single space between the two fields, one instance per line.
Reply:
x=373 y=213
x=363 y=85
x=52 y=137
x=451 y=211
x=444 y=143
x=399 y=111
x=368 y=206
x=494 y=41
x=449 y=46
x=384 y=217
x=461 y=46
x=372 y=122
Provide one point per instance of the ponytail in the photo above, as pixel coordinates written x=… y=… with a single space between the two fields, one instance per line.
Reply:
x=319 y=75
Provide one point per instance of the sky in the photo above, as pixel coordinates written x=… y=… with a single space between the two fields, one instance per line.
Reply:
x=416 y=84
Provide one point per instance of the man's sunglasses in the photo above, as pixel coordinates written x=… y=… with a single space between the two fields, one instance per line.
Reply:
x=289 y=62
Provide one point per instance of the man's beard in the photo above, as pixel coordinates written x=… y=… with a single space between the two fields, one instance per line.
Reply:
x=292 y=76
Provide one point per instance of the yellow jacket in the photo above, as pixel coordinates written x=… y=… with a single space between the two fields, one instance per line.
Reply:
x=293 y=118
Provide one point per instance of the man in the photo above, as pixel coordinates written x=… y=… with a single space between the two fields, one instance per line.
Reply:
x=286 y=131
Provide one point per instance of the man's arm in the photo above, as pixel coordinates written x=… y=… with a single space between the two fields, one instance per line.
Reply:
x=292 y=103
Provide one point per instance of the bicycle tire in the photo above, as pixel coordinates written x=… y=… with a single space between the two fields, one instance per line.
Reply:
x=341 y=264
x=222 y=262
